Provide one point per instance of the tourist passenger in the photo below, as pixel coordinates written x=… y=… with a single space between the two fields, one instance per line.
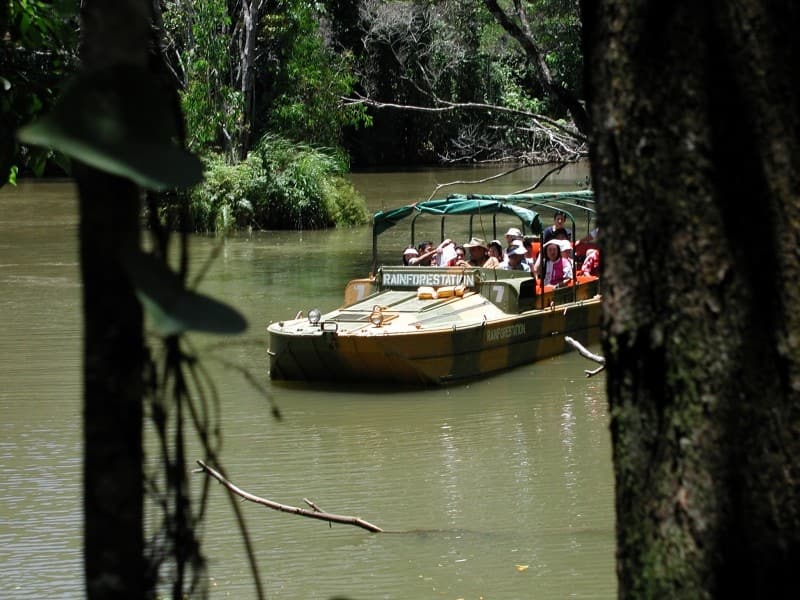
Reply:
x=478 y=253
x=512 y=235
x=532 y=245
x=446 y=255
x=515 y=259
x=586 y=243
x=408 y=254
x=566 y=252
x=496 y=255
x=425 y=254
x=557 y=229
x=591 y=263
x=558 y=270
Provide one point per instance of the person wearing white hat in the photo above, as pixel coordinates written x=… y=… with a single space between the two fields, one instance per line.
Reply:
x=558 y=270
x=515 y=259
x=566 y=251
x=513 y=234
x=409 y=254
x=591 y=263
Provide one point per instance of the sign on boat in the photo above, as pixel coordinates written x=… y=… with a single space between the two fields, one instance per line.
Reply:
x=427 y=325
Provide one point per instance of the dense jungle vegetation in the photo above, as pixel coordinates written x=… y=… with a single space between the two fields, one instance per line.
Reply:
x=281 y=97
x=692 y=110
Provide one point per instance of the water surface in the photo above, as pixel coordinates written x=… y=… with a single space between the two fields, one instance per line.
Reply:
x=499 y=488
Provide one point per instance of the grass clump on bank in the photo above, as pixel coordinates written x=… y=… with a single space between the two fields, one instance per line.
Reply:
x=280 y=185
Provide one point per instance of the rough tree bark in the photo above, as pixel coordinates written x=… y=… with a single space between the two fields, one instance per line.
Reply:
x=112 y=33
x=696 y=122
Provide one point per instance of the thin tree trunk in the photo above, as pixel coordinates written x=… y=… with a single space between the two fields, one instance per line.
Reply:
x=113 y=488
x=696 y=141
x=521 y=31
x=250 y=12
x=112 y=33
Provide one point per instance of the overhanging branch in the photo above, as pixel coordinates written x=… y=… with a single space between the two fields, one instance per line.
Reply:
x=313 y=514
x=586 y=354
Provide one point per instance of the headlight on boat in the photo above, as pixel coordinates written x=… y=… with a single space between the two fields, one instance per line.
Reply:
x=314 y=316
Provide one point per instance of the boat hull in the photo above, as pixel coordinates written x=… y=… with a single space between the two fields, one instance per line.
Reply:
x=430 y=355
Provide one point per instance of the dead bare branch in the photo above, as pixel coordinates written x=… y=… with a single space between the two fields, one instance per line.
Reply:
x=314 y=514
x=477 y=181
x=521 y=31
x=543 y=178
x=586 y=354
x=443 y=106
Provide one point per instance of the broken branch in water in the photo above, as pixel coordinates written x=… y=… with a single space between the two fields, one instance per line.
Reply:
x=586 y=354
x=314 y=514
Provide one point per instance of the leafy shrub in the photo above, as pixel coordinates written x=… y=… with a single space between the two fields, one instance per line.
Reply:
x=280 y=185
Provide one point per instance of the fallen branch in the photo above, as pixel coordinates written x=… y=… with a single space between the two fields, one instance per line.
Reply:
x=586 y=354
x=314 y=514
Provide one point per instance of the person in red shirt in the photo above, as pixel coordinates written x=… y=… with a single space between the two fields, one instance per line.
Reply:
x=591 y=263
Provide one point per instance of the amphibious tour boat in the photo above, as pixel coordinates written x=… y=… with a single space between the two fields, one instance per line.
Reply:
x=432 y=325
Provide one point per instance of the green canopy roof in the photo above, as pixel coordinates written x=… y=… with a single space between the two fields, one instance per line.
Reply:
x=572 y=203
x=456 y=205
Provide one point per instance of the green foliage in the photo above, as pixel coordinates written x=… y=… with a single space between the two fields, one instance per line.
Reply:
x=310 y=80
x=298 y=78
x=37 y=50
x=280 y=185
x=200 y=32
x=557 y=28
x=454 y=51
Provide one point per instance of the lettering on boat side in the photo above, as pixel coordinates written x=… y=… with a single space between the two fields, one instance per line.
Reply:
x=431 y=279
x=503 y=333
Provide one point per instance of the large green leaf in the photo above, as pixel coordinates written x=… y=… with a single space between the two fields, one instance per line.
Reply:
x=121 y=120
x=173 y=308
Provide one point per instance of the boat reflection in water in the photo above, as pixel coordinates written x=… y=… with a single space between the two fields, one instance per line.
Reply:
x=433 y=325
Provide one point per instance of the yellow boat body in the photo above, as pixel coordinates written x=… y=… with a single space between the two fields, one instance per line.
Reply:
x=396 y=327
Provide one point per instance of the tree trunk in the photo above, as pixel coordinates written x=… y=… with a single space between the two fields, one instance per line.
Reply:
x=112 y=33
x=696 y=142
x=250 y=12
x=113 y=488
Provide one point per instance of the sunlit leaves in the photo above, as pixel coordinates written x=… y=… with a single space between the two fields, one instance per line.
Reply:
x=299 y=79
x=311 y=81
x=202 y=34
x=280 y=185
x=36 y=23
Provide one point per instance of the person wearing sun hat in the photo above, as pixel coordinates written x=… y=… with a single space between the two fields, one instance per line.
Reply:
x=478 y=253
x=515 y=259
x=558 y=270
x=591 y=263
x=513 y=234
x=409 y=254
